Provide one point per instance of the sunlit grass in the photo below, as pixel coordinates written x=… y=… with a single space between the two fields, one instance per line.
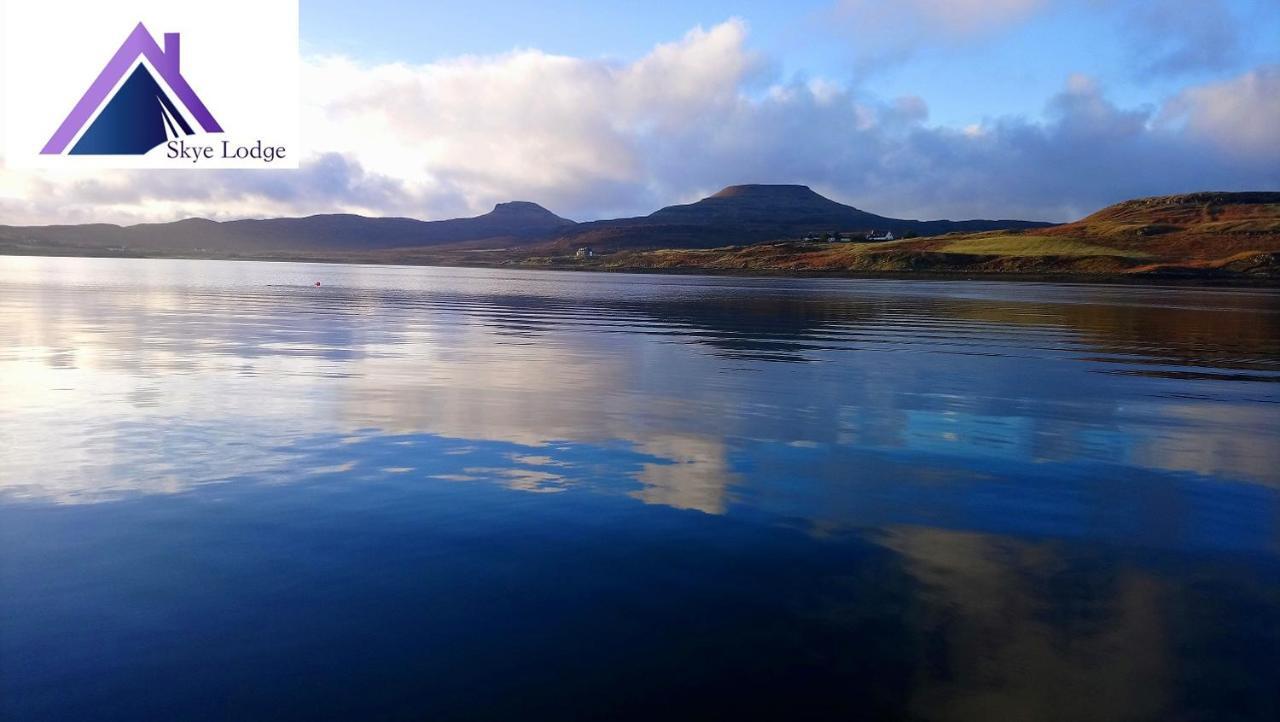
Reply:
x=1024 y=245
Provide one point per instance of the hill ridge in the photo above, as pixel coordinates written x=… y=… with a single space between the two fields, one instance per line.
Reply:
x=745 y=213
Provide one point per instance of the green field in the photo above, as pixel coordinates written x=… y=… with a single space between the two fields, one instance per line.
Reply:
x=1024 y=245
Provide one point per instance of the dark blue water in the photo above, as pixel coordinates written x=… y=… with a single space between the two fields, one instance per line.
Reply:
x=458 y=494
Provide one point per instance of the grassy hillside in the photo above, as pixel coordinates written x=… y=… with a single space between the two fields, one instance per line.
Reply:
x=1008 y=244
x=1199 y=235
x=1194 y=234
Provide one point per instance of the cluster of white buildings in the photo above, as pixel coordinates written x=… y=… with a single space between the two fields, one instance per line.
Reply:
x=848 y=238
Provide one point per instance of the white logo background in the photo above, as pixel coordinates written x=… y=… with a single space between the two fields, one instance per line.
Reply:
x=240 y=57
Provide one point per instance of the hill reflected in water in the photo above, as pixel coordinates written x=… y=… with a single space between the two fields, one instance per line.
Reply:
x=943 y=500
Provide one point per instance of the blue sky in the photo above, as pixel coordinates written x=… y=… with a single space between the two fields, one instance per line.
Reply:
x=1036 y=109
x=1011 y=69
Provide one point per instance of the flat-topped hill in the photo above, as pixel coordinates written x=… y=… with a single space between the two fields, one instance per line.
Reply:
x=1199 y=234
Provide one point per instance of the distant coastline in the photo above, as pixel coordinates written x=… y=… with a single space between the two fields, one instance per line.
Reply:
x=1179 y=277
x=743 y=230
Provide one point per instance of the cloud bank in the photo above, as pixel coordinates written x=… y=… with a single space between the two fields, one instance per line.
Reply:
x=592 y=138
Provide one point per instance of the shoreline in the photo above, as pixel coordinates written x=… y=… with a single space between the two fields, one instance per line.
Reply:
x=1188 y=278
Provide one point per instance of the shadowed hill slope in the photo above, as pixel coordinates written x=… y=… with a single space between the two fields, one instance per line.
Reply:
x=1196 y=234
x=736 y=215
x=753 y=213
x=742 y=228
x=508 y=223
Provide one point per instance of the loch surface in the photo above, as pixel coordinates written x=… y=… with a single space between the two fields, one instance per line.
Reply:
x=438 y=494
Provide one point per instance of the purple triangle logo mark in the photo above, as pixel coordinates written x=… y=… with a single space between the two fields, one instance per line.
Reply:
x=141 y=114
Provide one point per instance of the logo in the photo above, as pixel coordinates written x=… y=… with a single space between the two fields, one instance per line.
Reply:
x=142 y=114
x=218 y=89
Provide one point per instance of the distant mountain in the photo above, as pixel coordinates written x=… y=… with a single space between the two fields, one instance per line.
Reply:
x=751 y=229
x=508 y=223
x=764 y=205
x=736 y=215
x=1196 y=235
x=745 y=214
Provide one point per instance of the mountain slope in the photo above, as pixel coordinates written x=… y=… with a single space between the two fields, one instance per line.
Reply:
x=514 y=223
x=1202 y=235
x=1186 y=227
x=753 y=213
x=1197 y=234
x=737 y=215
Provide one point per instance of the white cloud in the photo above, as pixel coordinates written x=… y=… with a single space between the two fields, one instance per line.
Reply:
x=1241 y=115
x=525 y=124
x=593 y=138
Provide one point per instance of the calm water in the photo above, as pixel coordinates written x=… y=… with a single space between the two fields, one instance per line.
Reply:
x=462 y=494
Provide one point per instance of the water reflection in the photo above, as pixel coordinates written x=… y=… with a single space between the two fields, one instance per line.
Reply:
x=680 y=368
x=993 y=600
x=952 y=501
x=1130 y=644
